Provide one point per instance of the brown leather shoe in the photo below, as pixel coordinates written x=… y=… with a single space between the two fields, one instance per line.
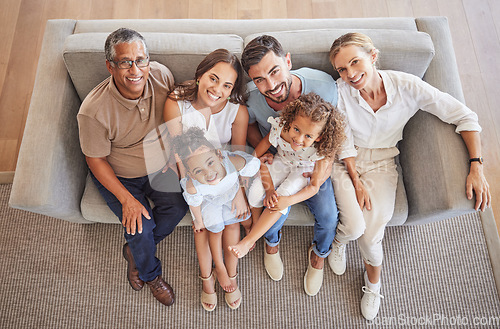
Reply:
x=162 y=291
x=132 y=273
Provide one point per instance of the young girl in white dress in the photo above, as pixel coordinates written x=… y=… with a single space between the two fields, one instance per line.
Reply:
x=214 y=101
x=307 y=136
x=210 y=186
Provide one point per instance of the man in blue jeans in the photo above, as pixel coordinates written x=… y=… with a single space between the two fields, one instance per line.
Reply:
x=122 y=138
x=273 y=86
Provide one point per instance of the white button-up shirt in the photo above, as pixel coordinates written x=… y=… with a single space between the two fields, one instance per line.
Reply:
x=406 y=94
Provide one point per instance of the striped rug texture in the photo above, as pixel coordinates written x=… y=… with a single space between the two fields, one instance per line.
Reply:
x=55 y=274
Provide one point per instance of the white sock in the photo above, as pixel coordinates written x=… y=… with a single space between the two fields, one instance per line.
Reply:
x=372 y=286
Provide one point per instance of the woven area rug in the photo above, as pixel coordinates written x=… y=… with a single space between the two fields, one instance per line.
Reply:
x=55 y=274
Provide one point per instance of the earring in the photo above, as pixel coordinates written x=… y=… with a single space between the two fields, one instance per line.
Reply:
x=229 y=97
x=197 y=82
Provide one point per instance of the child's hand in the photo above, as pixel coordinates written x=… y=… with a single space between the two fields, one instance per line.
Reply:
x=283 y=202
x=239 y=206
x=271 y=199
x=198 y=226
x=267 y=157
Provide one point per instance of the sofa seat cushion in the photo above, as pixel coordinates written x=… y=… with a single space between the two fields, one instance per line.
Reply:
x=181 y=52
x=95 y=209
x=401 y=50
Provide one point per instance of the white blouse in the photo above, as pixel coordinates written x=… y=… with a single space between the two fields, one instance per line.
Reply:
x=406 y=94
x=219 y=125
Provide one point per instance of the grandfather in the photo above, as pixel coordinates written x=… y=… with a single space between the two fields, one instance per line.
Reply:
x=120 y=124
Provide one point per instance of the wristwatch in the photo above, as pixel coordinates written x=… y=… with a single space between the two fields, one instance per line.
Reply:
x=480 y=160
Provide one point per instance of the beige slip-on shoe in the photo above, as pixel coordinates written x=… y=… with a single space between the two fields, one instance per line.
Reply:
x=313 y=280
x=273 y=265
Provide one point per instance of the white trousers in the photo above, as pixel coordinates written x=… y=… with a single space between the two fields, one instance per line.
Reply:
x=377 y=170
x=287 y=180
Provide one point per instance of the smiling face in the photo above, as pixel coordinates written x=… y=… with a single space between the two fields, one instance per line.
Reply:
x=205 y=166
x=272 y=76
x=129 y=82
x=303 y=132
x=355 y=66
x=216 y=85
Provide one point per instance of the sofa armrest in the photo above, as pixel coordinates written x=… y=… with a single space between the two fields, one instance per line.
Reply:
x=434 y=157
x=51 y=170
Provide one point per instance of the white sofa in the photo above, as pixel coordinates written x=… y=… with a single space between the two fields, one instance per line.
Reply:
x=51 y=174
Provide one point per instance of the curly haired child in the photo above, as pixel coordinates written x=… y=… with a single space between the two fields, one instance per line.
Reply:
x=210 y=186
x=307 y=135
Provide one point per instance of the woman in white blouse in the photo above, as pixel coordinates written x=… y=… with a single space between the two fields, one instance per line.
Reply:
x=378 y=104
x=214 y=101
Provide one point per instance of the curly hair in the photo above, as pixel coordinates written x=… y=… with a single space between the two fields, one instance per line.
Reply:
x=188 y=142
x=188 y=90
x=315 y=108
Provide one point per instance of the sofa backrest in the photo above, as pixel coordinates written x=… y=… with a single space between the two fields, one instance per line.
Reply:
x=401 y=46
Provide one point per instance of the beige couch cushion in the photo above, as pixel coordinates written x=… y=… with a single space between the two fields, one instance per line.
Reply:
x=84 y=54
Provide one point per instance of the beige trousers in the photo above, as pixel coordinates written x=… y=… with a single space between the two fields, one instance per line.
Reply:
x=377 y=170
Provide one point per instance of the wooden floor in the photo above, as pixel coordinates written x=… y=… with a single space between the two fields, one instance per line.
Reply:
x=472 y=22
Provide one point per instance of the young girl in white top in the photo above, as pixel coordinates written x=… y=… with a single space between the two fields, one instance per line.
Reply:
x=307 y=135
x=377 y=105
x=210 y=186
x=213 y=101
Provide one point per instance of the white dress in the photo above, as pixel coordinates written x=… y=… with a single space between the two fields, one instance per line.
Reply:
x=216 y=200
x=219 y=125
x=287 y=167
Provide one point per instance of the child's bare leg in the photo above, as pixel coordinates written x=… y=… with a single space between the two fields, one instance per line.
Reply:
x=256 y=213
x=231 y=236
x=265 y=222
x=205 y=261
x=215 y=242
x=247 y=224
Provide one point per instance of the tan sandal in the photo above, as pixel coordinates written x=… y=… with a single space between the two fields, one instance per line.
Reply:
x=207 y=298
x=233 y=296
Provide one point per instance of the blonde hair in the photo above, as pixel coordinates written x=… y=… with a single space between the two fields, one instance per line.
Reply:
x=352 y=39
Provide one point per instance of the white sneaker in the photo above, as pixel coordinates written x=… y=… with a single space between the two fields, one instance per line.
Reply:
x=370 y=303
x=337 y=259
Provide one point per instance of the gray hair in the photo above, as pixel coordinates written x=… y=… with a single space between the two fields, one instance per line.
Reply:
x=122 y=35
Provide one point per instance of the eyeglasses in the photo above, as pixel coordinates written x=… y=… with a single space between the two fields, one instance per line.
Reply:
x=140 y=63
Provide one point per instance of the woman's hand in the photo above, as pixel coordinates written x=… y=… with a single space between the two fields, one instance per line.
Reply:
x=362 y=196
x=239 y=206
x=476 y=184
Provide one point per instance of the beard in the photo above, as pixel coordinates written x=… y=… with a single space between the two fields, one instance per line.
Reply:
x=287 y=85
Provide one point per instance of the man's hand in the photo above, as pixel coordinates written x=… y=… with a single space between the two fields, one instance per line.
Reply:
x=281 y=203
x=476 y=184
x=271 y=199
x=132 y=212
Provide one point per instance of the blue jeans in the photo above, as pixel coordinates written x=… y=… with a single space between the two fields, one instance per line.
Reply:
x=324 y=210
x=169 y=209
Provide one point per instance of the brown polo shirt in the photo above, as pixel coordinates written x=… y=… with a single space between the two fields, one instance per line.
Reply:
x=129 y=133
